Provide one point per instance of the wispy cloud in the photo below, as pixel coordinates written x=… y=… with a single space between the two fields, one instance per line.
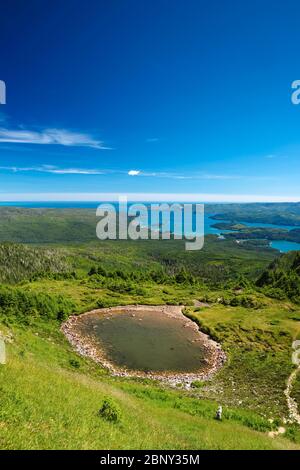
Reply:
x=152 y=140
x=55 y=170
x=132 y=173
x=50 y=137
x=279 y=156
x=270 y=156
x=179 y=176
x=72 y=171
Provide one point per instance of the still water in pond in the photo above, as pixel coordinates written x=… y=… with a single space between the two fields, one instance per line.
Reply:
x=146 y=341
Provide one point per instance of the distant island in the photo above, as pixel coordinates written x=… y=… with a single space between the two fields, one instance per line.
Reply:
x=243 y=232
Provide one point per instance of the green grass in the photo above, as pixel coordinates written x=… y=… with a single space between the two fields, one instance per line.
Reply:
x=258 y=345
x=47 y=403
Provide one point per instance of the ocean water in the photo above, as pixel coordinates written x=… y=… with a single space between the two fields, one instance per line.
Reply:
x=53 y=205
x=284 y=246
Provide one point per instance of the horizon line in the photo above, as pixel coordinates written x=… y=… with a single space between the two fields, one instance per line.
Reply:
x=144 y=197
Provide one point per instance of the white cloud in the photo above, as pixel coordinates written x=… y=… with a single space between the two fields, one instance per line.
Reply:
x=133 y=172
x=50 y=137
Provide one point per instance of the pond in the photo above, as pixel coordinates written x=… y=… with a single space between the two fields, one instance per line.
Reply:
x=158 y=340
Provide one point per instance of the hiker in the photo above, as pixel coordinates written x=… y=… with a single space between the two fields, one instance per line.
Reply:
x=219 y=413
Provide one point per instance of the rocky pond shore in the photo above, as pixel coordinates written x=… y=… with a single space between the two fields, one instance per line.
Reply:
x=85 y=345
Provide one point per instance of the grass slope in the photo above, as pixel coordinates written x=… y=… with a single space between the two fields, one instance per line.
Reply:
x=50 y=400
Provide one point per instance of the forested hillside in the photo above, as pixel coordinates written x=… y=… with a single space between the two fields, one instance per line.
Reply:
x=18 y=262
x=282 y=278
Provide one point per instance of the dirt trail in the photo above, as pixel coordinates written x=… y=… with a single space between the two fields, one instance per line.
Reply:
x=294 y=415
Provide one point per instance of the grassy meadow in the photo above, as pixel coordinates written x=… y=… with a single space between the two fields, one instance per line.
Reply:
x=51 y=398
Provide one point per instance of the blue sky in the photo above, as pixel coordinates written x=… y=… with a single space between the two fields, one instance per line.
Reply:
x=166 y=97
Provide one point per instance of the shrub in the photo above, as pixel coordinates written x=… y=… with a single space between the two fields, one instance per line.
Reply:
x=74 y=363
x=22 y=305
x=197 y=384
x=110 y=411
x=106 y=303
